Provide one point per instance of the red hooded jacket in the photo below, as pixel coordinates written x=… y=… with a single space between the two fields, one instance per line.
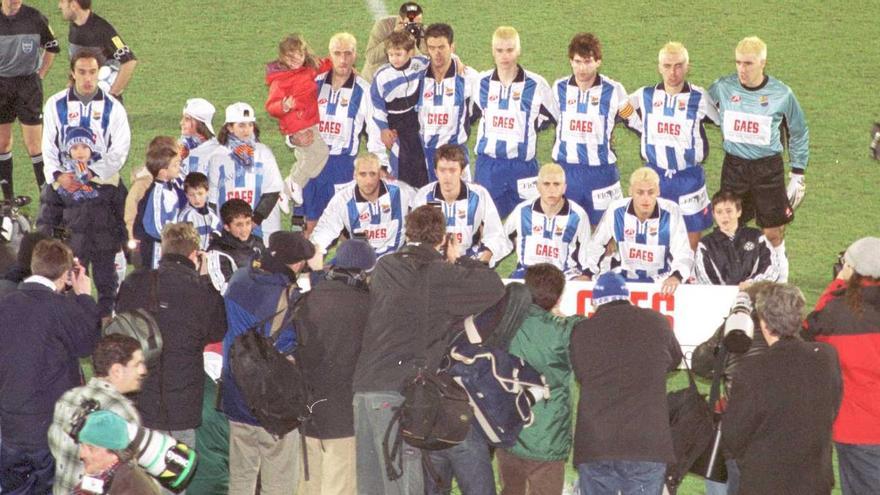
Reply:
x=300 y=84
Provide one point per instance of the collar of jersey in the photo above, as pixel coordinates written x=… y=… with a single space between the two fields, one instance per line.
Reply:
x=632 y=211
x=520 y=74
x=536 y=206
x=462 y=192
x=686 y=88
x=450 y=72
x=596 y=82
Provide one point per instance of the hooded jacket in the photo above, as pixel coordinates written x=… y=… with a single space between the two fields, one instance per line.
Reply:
x=300 y=84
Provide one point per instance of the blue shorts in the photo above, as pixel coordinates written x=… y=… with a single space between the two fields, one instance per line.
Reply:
x=499 y=177
x=688 y=189
x=429 y=159
x=593 y=188
x=320 y=190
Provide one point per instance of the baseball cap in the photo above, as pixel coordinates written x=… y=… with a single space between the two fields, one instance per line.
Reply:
x=105 y=429
x=79 y=135
x=240 y=112
x=863 y=257
x=290 y=247
x=201 y=109
x=609 y=287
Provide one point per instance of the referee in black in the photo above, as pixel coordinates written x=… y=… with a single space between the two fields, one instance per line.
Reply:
x=27 y=50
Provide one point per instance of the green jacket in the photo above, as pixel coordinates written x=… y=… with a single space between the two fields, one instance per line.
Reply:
x=542 y=341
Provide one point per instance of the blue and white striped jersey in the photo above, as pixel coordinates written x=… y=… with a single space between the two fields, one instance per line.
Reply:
x=673 y=137
x=204 y=219
x=197 y=160
x=382 y=221
x=227 y=180
x=343 y=112
x=587 y=118
x=554 y=240
x=104 y=115
x=511 y=116
x=648 y=251
x=472 y=209
x=396 y=90
x=443 y=106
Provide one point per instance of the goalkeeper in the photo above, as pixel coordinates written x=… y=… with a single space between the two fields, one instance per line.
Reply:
x=756 y=112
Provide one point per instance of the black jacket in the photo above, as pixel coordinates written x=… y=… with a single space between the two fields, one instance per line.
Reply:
x=722 y=260
x=95 y=224
x=415 y=296
x=191 y=314
x=330 y=326
x=243 y=252
x=778 y=422
x=620 y=356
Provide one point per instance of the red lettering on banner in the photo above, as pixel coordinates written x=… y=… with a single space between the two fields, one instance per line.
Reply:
x=641 y=254
x=330 y=127
x=667 y=302
x=581 y=126
x=377 y=234
x=668 y=128
x=438 y=118
x=247 y=196
x=502 y=122
x=661 y=303
x=746 y=126
x=549 y=251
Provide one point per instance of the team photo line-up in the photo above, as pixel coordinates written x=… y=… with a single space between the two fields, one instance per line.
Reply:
x=254 y=359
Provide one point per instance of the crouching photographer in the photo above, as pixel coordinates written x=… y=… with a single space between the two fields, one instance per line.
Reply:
x=717 y=359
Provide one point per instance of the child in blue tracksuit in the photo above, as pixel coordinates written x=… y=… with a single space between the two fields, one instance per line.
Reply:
x=163 y=200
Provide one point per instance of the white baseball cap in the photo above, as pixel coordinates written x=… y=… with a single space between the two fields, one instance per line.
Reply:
x=240 y=112
x=200 y=109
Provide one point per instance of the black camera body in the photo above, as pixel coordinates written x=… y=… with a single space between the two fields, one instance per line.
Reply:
x=416 y=29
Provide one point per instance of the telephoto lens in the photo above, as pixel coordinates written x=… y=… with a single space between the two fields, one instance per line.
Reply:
x=739 y=328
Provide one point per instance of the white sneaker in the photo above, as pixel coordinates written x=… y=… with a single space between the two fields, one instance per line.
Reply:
x=296 y=192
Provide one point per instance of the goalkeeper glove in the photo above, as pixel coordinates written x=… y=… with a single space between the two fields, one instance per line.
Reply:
x=796 y=189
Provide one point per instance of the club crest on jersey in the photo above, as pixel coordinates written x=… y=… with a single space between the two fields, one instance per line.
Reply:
x=460 y=214
x=386 y=208
x=343 y=102
x=449 y=91
x=96 y=115
x=652 y=230
x=735 y=99
x=559 y=230
x=763 y=100
x=594 y=100
x=27 y=46
x=749 y=246
x=516 y=95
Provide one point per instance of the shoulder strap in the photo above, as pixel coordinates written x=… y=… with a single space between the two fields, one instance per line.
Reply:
x=279 y=318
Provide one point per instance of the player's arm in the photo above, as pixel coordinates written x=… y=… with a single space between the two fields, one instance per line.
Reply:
x=583 y=239
x=51 y=153
x=596 y=245
x=548 y=112
x=330 y=224
x=113 y=160
x=767 y=265
x=122 y=53
x=50 y=46
x=704 y=267
x=625 y=109
x=799 y=135
x=494 y=235
x=380 y=109
x=709 y=110
x=271 y=187
x=679 y=247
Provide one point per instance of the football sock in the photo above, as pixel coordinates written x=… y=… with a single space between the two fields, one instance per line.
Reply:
x=6 y=175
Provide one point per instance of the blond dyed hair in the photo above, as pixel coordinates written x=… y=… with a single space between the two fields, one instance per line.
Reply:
x=343 y=38
x=752 y=45
x=506 y=33
x=551 y=169
x=673 y=48
x=644 y=174
x=367 y=159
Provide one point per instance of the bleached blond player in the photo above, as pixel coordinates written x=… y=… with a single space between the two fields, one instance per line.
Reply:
x=673 y=140
x=550 y=229
x=514 y=104
x=589 y=104
x=754 y=109
x=652 y=242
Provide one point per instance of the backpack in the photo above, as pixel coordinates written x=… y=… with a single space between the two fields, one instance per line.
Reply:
x=140 y=323
x=271 y=384
x=692 y=427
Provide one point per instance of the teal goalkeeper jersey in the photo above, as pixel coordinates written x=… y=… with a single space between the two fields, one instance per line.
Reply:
x=752 y=119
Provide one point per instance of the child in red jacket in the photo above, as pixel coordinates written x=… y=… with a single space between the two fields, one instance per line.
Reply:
x=293 y=100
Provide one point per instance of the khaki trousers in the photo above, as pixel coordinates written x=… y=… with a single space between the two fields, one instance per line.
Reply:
x=310 y=160
x=254 y=452
x=332 y=469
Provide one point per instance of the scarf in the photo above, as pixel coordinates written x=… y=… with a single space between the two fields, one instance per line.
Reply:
x=80 y=189
x=242 y=150
x=102 y=480
x=189 y=143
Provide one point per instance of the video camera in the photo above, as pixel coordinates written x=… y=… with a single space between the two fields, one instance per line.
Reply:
x=739 y=328
x=171 y=462
x=411 y=11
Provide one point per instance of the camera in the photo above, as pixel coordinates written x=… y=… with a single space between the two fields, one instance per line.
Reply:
x=739 y=328
x=416 y=29
x=837 y=266
x=171 y=462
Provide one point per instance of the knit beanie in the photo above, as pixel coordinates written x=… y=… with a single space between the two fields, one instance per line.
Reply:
x=356 y=254
x=105 y=429
x=609 y=287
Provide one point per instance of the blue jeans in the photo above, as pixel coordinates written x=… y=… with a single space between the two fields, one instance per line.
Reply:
x=627 y=477
x=23 y=472
x=859 y=467
x=372 y=413
x=732 y=485
x=469 y=462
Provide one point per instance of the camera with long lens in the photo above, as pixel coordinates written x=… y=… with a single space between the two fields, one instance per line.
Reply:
x=739 y=328
x=170 y=461
x=416 y=29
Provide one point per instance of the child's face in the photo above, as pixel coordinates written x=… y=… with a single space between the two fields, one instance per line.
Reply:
x=293 y=59
x=242 y=130
x=240 y=227
x=187 y=125
x=197 y=196
x=398 y=57
x=172 y=171
x=80 y=153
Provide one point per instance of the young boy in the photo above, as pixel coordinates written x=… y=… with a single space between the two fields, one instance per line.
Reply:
x=163 y=200
x=235 y=246
x=196 y=211
x=88 y=216
x=394 y=94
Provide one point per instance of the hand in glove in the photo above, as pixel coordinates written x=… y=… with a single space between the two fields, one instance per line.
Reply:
x=796 y=189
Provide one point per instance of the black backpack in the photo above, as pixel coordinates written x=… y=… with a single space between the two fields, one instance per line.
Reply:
x=271 y=383
x=140 y=323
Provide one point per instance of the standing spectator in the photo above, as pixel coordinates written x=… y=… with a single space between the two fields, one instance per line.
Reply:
x=733 y=254
x=415 y=295
x=89 y=31
x=107 y=463
x=515 y=104
x=196 y=210
x=21 y=269
x=197 y=136
x=409 y=12
x=190 y=315
x=536 y=464
x=753 y=108
x=119 y=368
x=43 y=333
x=847 y=316
x=673 y=139
x=782 y=405
x=236 y=240
x=255 y=294
x=620 y=357
x=334 y=316
x=29 y=48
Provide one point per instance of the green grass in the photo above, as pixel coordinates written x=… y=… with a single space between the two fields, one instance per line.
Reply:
x=824 y=50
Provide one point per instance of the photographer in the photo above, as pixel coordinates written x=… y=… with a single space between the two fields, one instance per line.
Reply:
x=43 y=333
x=409 y=18
x=107 y=464
x=847 y=316
x=190 y=315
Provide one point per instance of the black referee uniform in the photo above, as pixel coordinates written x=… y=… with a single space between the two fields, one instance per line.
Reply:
x=100 y=37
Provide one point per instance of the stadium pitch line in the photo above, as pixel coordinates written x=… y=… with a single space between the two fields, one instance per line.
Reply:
x=377 y=8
